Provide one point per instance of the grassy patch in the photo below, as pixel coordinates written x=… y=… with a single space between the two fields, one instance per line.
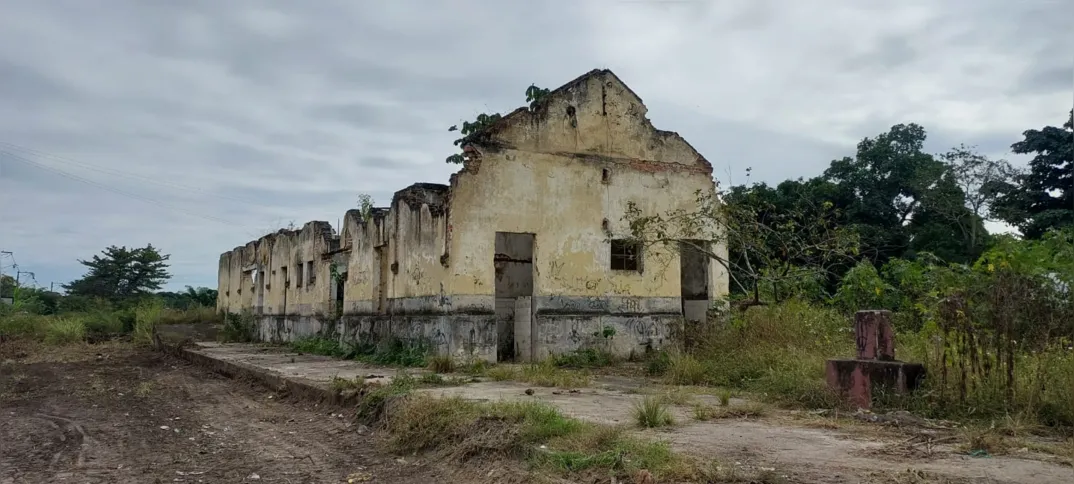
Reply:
x=584 y=358
x=777 y=352
x=652 y=412
x=239 y=328
x=502 y=373
x=746 y=410
x=529 y=430
x=65 y=330
x=442 y=364
x=393 y=353
x=147 y=315
x=546 y=374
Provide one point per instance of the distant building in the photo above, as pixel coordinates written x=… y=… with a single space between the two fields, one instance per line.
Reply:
x=523 y=255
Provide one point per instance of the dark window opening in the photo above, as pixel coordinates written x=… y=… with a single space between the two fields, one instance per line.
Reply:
x=310 y=273
x=626 y=255
x=283 y=275
x=605 y=176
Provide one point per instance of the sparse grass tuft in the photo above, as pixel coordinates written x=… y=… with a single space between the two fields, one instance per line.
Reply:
x=725 y=397
x=144 y=389
x=546 y=374
x=342 y=384
x=475 y=368
x=652 y=412
x=502 y=373
x=584 y=358
x=987 y=441
x=747 y=410
x=392 y=353
x=442 y=364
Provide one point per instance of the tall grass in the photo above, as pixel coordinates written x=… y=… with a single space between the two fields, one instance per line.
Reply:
x=95 y=324
x=776 y=351
x=147 y=315
x=532 y=431
x=65 y=330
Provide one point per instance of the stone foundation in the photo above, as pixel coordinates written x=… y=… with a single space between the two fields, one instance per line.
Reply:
x=471 y=327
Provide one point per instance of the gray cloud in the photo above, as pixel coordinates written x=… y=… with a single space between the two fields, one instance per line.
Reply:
x=216 y=121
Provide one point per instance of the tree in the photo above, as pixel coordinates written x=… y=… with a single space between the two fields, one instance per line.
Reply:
x=191 y=297
x=901 y=196
x=1042 y=198
x=979 y=177
x=7 y=286
x=121 y=274
x=534 y=95
x=776 y=238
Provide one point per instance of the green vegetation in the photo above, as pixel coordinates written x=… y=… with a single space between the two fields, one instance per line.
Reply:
x=651 y=412
x=462 y=429
x=115 y=298
x=392 y=353
x=895 y=228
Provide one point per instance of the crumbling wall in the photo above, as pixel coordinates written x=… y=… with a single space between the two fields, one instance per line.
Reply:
x=425 y=268
x=566 y=172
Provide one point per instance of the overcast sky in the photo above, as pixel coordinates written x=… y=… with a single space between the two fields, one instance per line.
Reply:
x=197 y=125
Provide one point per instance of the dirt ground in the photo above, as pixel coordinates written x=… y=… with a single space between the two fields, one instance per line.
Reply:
x=111 y=413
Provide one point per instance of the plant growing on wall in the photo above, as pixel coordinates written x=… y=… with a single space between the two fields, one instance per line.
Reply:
x=534 y=95
x=365 y=205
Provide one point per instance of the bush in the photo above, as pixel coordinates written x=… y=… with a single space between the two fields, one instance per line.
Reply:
x=65 y=330
x=239 y=328
x=778 y=351
x=147 y=315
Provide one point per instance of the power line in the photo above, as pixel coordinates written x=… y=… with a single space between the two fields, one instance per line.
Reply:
x=113 y=189
x=120 y=173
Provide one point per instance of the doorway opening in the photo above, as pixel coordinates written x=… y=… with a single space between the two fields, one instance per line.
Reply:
x=382 y=280
x=694 y=279
x=339 y=288
x=513 y=262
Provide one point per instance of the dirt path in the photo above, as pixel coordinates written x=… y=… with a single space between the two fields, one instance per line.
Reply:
x=118 y=415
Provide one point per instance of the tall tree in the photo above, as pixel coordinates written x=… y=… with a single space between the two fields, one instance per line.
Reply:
x=1042 y=198
x=898 y=194
x=979 y=177
x=120 y=273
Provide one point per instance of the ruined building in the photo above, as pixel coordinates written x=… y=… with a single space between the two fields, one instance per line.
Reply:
x=520 y=257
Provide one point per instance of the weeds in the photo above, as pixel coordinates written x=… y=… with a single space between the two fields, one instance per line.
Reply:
x=65 y=330
x=442 y=364
x=528 y=430
x=584 y=358
x=725 y=397
x=502 y=373
x=339 y=384
x=652 y=412
x=746 y=410
x=239 y=328
x=147 y=315
x=546 y=374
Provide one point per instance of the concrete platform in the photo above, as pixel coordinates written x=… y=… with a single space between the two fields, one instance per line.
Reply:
x=607 y=401
x=802 y=453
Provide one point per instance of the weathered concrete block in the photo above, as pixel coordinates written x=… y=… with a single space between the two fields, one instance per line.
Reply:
x=856 y=380
x=874 y=335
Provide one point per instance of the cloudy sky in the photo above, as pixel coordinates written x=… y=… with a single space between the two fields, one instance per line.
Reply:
x=196 y=125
